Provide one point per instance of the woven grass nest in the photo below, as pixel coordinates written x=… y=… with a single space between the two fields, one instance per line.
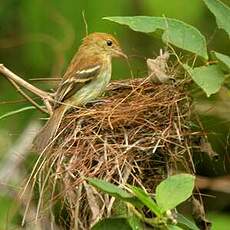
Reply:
x=137 y=133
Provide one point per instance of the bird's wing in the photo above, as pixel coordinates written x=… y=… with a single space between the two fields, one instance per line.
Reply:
x=75 y=81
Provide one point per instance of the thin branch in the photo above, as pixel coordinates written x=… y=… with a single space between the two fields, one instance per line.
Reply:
x=15 y=80
x=10 y=75
x=27 y=97
x=46 y=79
x=85 y=22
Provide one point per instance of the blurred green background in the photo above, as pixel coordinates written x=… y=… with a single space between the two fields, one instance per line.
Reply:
x=38 y=39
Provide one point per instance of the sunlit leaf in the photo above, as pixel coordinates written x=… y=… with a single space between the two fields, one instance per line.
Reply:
x=221 y=12
x=175 y=32
x=174 y=190
x=209 y=78
x=114 y=190
x=109 y=188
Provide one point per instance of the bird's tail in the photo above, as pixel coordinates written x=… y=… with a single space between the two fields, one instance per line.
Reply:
x=48 y=132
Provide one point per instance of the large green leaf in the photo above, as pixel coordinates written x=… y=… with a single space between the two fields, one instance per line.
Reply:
x=147 y=200
x=221 y=12
x=109 y=188
x=115 y=191
x=112 y=224
x=224 y=60
x=209 y=78
x=174 y=190
x=175 y=32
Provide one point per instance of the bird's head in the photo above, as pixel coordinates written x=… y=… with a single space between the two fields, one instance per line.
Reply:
x=103 y=43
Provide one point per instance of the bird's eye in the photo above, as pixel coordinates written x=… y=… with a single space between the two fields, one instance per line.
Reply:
x=109 y=43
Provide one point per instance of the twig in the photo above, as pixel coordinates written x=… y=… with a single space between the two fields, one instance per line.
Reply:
x=85 y=22
x=15 y=80
x=45 y=79
x=10 y=75
x=27 y=97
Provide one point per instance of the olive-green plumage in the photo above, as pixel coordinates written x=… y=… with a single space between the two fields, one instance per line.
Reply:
x=85 y=79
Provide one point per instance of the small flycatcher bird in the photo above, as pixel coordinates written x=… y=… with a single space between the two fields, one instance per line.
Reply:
x=85 y=79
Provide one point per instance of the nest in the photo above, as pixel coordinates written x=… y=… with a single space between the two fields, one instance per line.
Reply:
x=137 y=133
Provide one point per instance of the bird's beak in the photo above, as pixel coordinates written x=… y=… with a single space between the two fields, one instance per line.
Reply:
x=120 y=53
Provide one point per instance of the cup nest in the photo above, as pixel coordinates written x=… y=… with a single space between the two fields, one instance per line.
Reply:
x=137 y=133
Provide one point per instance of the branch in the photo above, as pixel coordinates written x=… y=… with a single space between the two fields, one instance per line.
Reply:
x=27 y=97
x=15 y=80
x=10 y=75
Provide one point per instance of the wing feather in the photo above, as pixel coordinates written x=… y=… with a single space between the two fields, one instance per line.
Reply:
x=75 y=81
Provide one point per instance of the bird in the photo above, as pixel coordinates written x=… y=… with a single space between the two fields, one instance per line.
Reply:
x=86 y=78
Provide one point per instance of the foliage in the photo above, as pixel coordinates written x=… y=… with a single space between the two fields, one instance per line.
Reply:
x=223 y=59
x=183 y=190
x=221 y=12
x=209 y=78
x=175 y=32
x=169 y=193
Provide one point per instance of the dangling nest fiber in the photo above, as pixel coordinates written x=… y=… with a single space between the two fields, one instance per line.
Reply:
x=135 y=134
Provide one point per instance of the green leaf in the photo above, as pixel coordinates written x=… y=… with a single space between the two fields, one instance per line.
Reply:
x=134 y=222
x=174 y=190
x=224 y=60
x=109 y=188
x=175 y=32
x=114 y=190
x=16 y=111
x=147 y=200
x=112 y=224
x=174 y=227
x=221 y=12
x=184 y=221
x=209 y=78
